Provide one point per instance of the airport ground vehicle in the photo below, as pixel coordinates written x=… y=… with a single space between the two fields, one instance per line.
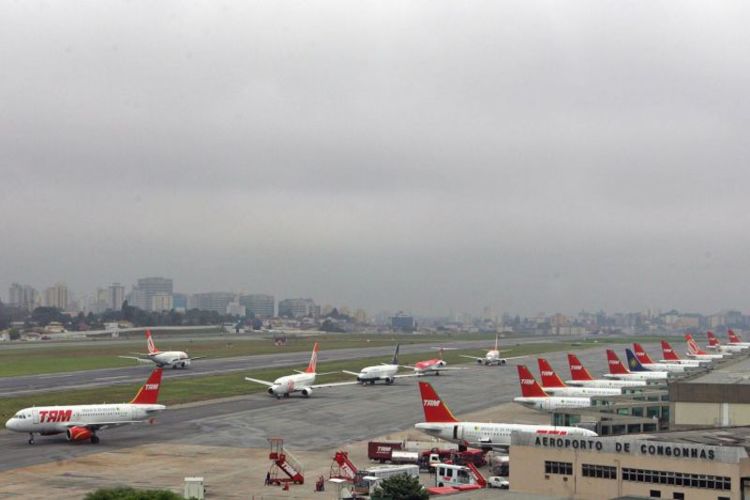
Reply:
x=367 y=479
x=498 y=482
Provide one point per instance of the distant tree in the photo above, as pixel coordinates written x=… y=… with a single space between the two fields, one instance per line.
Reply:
x=125 y=493
x=400 y=487
x=45 y=315
x=331 y=326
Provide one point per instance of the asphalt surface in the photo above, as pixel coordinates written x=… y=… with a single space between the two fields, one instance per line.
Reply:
x=33 y=384
x=330 y=417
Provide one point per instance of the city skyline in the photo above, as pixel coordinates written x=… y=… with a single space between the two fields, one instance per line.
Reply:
x=424 y=156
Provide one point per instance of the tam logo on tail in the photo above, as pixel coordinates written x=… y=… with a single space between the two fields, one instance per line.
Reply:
x=712 y=340
x=313 y=360
x=549 y=377
x=692 y=346
x=733 y=337
x=615 y=365
x=577 y=370
x=641 y=353
x=668 y=352
x=530 y=388
x=434 y=409
x=150 y=343
x=149 y=393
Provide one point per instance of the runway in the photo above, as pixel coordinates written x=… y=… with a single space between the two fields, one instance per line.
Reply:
x=329 y=418
x=33 y=384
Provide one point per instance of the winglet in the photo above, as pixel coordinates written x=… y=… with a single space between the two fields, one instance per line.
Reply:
x=435 y=410
x=615 y=365
x=641 y=353
x=577 y=370
x=150 y=343
x=313 y=360
x=633 y=363
x=530 y=388
x=668 y=352
x=149 y=393
x=549 y=377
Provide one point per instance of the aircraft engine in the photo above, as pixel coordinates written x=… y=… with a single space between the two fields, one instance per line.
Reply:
x=306 y=392
x=78 y=434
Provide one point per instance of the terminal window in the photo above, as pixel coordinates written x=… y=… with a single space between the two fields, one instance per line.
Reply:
x=558 y=468
x=600 y=471
x=677 y=479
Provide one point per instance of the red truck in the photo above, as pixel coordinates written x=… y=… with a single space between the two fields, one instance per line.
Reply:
x=381 y=450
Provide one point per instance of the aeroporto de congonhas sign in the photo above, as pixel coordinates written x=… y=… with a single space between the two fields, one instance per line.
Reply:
x=635 y=447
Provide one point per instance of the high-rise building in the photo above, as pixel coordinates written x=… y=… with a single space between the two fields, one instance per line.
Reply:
x=15 y=295
x=116 y=296
x=180 y=302
x=403 y=322
x=213 y=301
x=57 y=296
x=161 y=302
x=298 y=308
x=146 y=288
x=24 y=297
x=258 y=305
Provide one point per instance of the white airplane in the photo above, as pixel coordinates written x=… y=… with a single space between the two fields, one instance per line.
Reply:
x=533 y=396
x=384 y=371
x=492 y=357
x=672 y=357
x=713 y=343
x=735 y=339
x=553 y=384
x=440 y=423
x=696 y=352
x=303 y=382
x=82 y=422
x=617 y=369
x=581 y=376
x=175 y=359
x=650 y=364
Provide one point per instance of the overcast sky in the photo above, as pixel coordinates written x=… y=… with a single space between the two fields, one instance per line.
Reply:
x=419 y=155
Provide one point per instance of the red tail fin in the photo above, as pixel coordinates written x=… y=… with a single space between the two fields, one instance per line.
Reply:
x=615 y=365
x=668 y=352
x=549 y=377
x=693 y=346
x=313 y=360
x=577 y=370
x=712 y=340
x=434 y=408
x=150 y=343
x=733 y=337
x=641 y=353
x=149 y=393
x=530 y=388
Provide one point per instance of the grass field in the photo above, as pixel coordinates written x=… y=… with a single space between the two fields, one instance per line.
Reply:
x=66 y=357
x=190 y=389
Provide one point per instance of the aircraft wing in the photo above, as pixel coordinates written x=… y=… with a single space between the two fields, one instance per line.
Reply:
x=140 y=360
x=409 y=367
x=197 y=357
x=403 y=375
x=333 y=384
x=103 y=425
x=472 y=357
x=350 y=373
x=259 y=381
x=516 y=357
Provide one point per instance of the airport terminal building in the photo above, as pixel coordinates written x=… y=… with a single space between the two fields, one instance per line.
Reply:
x=690 y=465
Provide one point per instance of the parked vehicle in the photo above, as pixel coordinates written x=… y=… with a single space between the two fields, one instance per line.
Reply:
x=498 y=482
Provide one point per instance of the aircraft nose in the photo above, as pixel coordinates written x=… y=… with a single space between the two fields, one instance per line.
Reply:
x=11 y=424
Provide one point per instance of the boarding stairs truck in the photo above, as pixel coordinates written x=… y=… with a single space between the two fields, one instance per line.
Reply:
x=285 y=468
x=342 y=467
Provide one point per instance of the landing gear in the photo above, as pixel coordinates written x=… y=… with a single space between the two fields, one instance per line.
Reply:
x=31 y=438
x=437 y=373
x=278 y=396
x=94 y=439
x=388 y=381
x=286 y=395
x=174 y=367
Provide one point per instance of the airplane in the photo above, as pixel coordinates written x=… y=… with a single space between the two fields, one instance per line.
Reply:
x=735 y=339
x=581 y=376
x=553 y=384
x=696 y=352
x=533 y=396
x=713 y=343
x=82 y=422
x=492 y=357
x=175 y=359
x=618 y=370
x=441 y=423
x=435 y=365
x=303 y=382
x=650 y=364
x=672 y=357
x=384 y=371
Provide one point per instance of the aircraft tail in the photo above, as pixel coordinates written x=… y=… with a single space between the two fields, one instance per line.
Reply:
x=150 y=343
x=641 y=353
x=668 y=352
x=435 y=410
x=633 y=363
x=692 y=345
x=615 y=365
x=313 y=360
x=712 y=340
x=733 y=337
x=394 y=361
x=149 y=393
x=549 y=377
x=497 y=348
x=577 y=370
x=530 y=388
